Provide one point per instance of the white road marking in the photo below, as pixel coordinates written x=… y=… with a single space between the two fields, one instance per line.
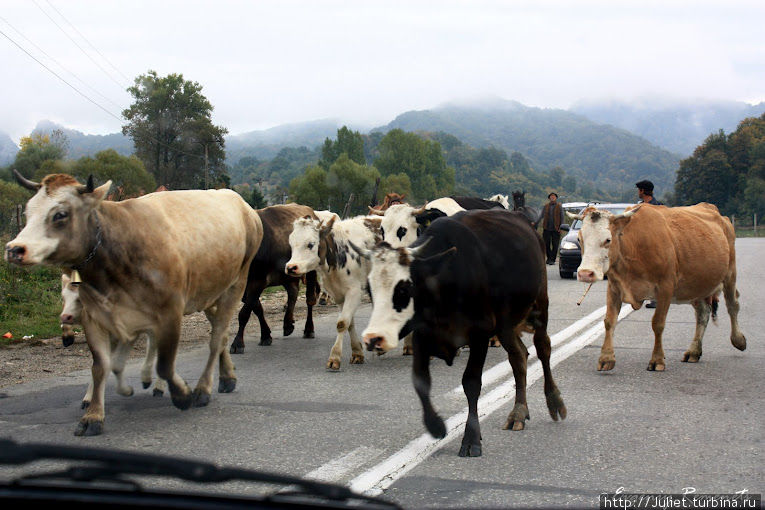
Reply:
x=335 y=469
x=384 y=474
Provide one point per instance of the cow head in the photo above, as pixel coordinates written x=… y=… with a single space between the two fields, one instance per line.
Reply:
x=502 y=199
x=392 y=290
x=308 y=242
x=402 y=224
x=71 y=310
x=59 y=228
x=596 y=237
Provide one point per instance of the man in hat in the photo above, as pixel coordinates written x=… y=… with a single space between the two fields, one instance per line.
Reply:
x=551 y=218
x=645 y=193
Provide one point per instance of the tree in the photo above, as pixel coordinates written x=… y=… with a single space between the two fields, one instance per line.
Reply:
x=36 y=149
x=172 y=130
x=257 y=201
x=128 y=175
x=348 y=142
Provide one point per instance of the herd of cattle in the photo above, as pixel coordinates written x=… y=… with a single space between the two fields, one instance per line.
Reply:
x=455 y=272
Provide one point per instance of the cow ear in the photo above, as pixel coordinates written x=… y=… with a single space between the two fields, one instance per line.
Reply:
x=326 y=228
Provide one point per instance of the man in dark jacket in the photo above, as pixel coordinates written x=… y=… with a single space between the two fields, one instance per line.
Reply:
x=645 y=193
x=551 y=218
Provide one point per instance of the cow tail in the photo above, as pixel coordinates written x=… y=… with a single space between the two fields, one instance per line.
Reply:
x=715 y=306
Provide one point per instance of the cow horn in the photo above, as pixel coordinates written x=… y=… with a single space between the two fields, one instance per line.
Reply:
x=26 y=183
x=574 y=216
x=417 y=212
x=627 y=214
x=375 y=212
x=417 y=250
x=88 y=188
x=367 y=254
x=325 y=228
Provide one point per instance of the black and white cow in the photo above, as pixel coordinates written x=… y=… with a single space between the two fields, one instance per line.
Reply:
x=470 y=276
x=324 y=247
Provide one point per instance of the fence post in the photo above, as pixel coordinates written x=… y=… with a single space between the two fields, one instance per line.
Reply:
x=755 y=224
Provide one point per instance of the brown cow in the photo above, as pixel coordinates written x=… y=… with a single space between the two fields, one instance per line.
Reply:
x=677 y=254
x=144 y=263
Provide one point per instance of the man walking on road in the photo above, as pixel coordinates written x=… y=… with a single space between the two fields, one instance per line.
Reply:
x=551 y=218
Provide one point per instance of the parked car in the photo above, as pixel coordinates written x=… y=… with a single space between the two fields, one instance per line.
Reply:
x=570 y=253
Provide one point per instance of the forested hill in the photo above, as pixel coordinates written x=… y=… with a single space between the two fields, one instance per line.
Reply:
x=8 y=149
x=548 y=137
x=79 y=144
x=676 y=125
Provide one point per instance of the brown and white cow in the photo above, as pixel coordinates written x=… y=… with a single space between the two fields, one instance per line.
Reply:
x=144 y=263
x=670 y=254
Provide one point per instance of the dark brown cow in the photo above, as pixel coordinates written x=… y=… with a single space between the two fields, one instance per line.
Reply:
x=670 y=254
x=267 y=270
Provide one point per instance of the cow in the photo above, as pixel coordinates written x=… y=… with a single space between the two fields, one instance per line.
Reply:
x=519 y=204
x=502 y=199
x=144 y=263
x=324 y=247
x=70 y=315
x=469 y=277
x=267 y=270
x=670 y=254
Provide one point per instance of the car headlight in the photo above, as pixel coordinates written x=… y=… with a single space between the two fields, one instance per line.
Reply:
x=568 y=245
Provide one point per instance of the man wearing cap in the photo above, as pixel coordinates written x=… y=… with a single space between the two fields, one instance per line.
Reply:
x=551 y=218
x=645 y=193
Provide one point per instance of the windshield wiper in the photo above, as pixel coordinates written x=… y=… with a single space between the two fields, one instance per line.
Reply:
x=110 y=465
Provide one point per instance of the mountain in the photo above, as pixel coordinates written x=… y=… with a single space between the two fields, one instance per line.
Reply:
x=8 y=149
x=81 y=144
x=603 y=154
x=265 y=144
x=677 y=125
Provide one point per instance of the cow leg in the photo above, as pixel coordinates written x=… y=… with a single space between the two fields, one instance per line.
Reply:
x=471 y=384
x=408 y=350
x=357 y=348
x=421 y=380
x=292 y=287
x=737 y=338
x=119 y=358
x=518 y=356
x=350 y=304
x=311 y=297
x=251 y=303
x=220 y=319
x=552 y=394
x=657 y=363
x=607 y=359
x=148 y=365
x=703 y=311
x=167 y=335
x=92 y=422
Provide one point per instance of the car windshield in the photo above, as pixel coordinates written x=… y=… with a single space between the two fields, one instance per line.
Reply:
x=613 y=210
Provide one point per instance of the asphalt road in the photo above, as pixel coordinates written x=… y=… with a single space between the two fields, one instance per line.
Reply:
x=695 y=425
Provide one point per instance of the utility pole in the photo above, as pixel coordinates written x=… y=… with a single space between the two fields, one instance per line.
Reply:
x=207 y=170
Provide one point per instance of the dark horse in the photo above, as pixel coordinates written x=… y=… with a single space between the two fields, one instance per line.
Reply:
x=519 y=204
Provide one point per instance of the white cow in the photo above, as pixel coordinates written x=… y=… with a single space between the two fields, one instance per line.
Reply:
x=324 y=247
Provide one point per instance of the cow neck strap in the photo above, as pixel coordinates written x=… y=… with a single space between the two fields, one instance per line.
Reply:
x=92 y=253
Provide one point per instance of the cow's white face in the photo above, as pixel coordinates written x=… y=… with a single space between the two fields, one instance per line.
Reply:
x=502 y=199
x=399 y=225
x=595 y=240
x=70 y=296
x=304 y=243
x=56 y=223
x=390 y=284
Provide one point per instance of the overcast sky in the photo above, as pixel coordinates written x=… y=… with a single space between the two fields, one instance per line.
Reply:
x=265 y=63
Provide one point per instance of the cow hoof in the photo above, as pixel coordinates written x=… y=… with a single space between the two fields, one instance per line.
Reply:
x=494 y=342
x=357 y=359
x=308 y=334
x=656 y=366
x=288 y=329
x=436 y=426
x=236 y=349
x=408 y=350
x=200 y=398
x=739 y=342
x=226 y=385
x=333 y=365
x=556 y=406
x=128 y=392
x=157 y=393
x=93 y=428
x=67 y=340
x=605 y=364
x=182 y=402
x=265 y=341
x=85 y=404
x=691 y=357
x=146 y=384
x=470 y=450
x=516 y=420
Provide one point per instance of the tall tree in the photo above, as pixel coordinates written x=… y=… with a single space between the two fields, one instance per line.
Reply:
x=37 y=149
x=172 y=130
x=348 y=142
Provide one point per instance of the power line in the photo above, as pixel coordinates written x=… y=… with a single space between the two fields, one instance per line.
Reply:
x=57 y=62
x=87 y=41
x=107 y=73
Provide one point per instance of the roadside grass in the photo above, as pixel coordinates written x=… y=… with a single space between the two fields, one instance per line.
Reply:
x=750 y=232
x=30 y=302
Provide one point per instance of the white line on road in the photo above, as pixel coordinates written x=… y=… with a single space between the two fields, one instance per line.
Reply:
x=335 y=469
x=384 y=474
